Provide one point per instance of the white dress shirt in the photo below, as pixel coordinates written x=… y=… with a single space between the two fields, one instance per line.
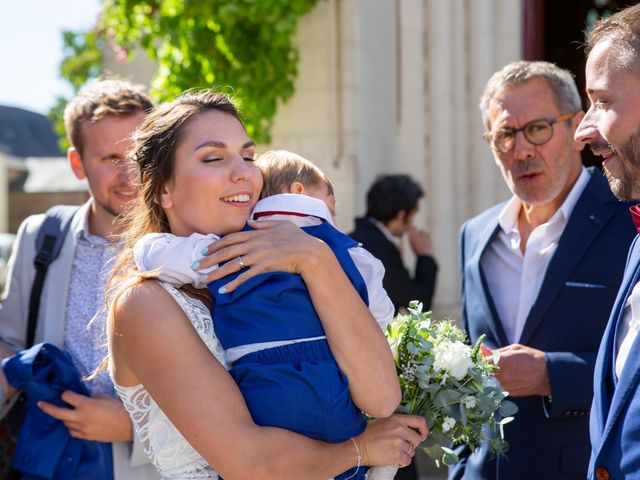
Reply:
x=628 y=329
x=514 y=278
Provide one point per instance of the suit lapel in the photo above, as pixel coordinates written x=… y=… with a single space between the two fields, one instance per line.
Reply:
x=602 y=372
x=588 y=218
x=478 y=278
x=604 y=366
x=609 y=408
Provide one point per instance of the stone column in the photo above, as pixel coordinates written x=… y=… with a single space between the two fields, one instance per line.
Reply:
x=392 y=86
x=465 y=41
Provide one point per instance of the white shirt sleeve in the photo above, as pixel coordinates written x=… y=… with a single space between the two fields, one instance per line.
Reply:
x=372 y=272
x=170 y=257
x=628 y=330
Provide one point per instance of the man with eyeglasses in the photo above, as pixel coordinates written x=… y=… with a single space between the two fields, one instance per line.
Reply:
x=540 y=273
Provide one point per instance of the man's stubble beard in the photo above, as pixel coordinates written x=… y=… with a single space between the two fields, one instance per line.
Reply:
x=112 y=210
x=627 y=187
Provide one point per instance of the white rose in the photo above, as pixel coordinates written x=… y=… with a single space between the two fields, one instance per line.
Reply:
x=469 y=401
x=448 y=424
x=453 y=357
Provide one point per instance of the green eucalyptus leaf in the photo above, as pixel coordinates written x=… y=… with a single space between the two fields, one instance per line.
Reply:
x=507 y=408
x=449 y=457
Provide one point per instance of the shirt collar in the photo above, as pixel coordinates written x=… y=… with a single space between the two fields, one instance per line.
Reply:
x=508 y=218
x=385 y=231
x=293 y=204
x=83 y=232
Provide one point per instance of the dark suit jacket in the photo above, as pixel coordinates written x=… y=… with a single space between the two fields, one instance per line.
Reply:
x=615 y=413
x=567 y=319
x=397 y=280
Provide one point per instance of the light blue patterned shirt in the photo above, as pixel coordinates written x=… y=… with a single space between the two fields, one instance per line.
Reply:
x=85 y=335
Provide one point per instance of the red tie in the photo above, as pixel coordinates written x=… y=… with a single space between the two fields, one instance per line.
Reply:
x=635 y=216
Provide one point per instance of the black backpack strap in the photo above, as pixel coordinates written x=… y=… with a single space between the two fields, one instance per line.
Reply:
x=49 y=240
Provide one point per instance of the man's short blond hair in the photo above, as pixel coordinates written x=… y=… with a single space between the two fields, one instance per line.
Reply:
x=99 y=99
x=281 y=168
x=623 y=30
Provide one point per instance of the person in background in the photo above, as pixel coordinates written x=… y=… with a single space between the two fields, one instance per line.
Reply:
x=392 y=204
x=540 y=272
x=611 y=128
x=99 y=121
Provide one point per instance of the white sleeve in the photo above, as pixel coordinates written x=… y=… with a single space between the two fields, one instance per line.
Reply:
x=372 y=272
x=170 y=257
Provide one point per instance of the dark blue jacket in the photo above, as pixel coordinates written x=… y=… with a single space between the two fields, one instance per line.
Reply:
x=615 y=413
x=45 y=449
x=567 y=319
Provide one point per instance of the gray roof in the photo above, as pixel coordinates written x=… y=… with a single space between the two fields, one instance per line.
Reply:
x=27 y=134
x=51 y=175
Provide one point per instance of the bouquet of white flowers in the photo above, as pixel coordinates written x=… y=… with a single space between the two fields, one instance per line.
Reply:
x=450 y=384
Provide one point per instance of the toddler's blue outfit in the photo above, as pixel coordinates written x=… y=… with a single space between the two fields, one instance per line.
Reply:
x=280 y=357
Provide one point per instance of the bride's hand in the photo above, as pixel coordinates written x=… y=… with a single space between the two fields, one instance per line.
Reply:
x=271 y=246
x=392 y=440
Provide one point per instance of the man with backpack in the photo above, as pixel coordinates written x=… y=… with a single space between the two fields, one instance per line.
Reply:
x=71 y=314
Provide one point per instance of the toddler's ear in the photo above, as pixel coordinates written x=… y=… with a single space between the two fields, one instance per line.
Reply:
x=296 y=187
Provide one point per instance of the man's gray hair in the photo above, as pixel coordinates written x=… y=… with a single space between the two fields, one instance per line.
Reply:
x=560 y=80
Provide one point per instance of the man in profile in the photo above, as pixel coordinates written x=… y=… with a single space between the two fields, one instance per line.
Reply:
x=611 y=127
x=392 y=204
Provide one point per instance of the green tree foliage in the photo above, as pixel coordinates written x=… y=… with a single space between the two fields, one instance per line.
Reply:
x=82 y=62
x=241 y=46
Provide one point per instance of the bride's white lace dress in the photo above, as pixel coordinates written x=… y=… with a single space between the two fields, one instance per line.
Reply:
x=166 y=447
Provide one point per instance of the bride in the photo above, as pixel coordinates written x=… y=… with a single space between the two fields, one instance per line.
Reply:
x=195 y=163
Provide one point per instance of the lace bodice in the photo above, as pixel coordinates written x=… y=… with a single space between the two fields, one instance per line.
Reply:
x=167 y=448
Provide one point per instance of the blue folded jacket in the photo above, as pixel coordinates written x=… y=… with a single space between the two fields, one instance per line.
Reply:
x=45 y=449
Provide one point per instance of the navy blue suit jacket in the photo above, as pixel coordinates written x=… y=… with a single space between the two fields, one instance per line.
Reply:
x=550 y=439
x=397 y=281
x=615 y=413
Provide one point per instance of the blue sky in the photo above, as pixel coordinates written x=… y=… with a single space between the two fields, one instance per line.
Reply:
x=31 y=48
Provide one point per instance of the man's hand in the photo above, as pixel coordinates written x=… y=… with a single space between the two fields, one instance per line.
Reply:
x=101 y=419
x=420 y=241
x=523 y=370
